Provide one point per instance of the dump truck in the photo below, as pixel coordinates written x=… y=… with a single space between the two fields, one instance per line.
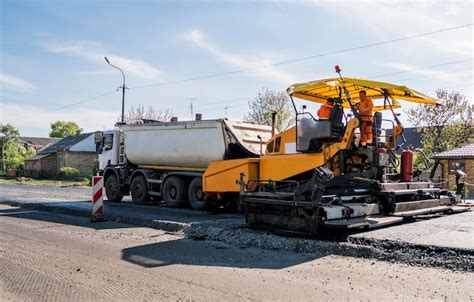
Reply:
x=314 y=174
x=150 y=159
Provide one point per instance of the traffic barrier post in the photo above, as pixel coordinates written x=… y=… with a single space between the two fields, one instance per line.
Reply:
x=97 y=199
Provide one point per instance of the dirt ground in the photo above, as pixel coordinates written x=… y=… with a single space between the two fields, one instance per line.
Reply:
x=53 y=257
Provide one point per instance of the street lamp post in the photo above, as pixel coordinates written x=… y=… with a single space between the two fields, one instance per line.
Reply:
x=3 y=153
x=123 y=87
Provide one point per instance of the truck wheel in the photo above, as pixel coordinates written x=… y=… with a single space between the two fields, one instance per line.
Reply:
x=112 y=189
x=174 y=191
x=196 y=196
x=139 y=189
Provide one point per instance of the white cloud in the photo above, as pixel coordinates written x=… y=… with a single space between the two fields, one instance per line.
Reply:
x=393 y=19
x=16 y=83
x=240 y=61
x=95 y=52
x=35 y=121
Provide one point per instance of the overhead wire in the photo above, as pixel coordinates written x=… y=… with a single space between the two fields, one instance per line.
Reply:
x=420 y=68
x=249 y=98
x=69 y=105
x=393 y=73
x=282 y=63
x=304 y=58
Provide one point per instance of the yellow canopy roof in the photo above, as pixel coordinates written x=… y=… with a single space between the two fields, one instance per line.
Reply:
x=320 y=91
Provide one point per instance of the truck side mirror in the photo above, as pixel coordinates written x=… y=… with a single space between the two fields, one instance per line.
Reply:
x=99 y=147
x=98 y=137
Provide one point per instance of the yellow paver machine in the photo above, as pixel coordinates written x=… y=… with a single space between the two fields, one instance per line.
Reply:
x=316 y=174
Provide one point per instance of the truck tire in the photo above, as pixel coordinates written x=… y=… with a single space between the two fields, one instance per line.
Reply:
x=112 y=189
x=139 y=189
x=174 y=191
x=196 y=196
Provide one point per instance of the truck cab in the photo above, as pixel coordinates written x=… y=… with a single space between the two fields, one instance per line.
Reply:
x=108 y=146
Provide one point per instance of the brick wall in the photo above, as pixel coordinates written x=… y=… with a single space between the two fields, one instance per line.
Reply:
x=46 y=167
x=449 y=174
x=83 y=161
x=470 y=173
x=50 y=166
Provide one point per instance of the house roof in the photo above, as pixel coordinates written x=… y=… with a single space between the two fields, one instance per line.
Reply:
x=39 y=141
x=38 y=156
x=412 y=135
x=64 y=144
x=466 y=151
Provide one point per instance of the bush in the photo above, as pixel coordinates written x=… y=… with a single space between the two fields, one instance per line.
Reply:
x=69 y=173
x=95 y=168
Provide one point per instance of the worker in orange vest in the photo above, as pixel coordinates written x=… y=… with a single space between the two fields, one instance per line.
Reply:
x=365 y=107
x=324 y=111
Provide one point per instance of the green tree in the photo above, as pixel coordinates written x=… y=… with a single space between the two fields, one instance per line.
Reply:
x=64 y=129
x=266 y=102
x=13 y=154
x=444 y=127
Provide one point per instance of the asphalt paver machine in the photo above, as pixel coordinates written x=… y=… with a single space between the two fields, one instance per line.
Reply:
x=315 y=173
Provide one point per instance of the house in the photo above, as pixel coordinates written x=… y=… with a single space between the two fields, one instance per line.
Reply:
x=461 y=158
x=413 y=138
x=75 y=151
x=37 y=142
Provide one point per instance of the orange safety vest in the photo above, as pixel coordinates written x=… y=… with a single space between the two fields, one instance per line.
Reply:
x=324 y=112
x=365 y=110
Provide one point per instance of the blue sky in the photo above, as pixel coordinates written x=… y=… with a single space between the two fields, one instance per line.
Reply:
x=52 y=53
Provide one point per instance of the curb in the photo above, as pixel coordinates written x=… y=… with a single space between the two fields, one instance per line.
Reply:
x=164 y=225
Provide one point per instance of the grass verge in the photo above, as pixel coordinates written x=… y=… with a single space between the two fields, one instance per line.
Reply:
x=46 y=182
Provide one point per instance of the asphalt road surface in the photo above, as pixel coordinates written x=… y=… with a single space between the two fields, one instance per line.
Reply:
x=52 y=257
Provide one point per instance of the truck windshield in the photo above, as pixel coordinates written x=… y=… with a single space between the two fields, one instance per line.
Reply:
x=108 y=141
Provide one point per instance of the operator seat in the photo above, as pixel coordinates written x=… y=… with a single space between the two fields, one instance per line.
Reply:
x=377 y=129
x=325 y=131
x=337 y=127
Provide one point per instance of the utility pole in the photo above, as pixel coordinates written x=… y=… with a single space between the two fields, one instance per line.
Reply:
x=5 y=139
x=123 y=87
x=225 y=108
x=191 y=100
x=3 y=155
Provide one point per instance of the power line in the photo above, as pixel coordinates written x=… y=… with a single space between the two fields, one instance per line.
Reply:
x=462 y=85
x=69 y=105
x=421 y=68
x=380 y=75
x=430 y=75
x=248 y=98
x=283 y=63
x=304 y=58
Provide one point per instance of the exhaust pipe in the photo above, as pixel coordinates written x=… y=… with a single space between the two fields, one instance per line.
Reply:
x=273 y=122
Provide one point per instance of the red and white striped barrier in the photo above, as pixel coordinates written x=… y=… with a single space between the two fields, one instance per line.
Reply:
x=97 y=198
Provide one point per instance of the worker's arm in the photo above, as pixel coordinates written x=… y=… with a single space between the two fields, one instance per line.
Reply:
x=321 y=112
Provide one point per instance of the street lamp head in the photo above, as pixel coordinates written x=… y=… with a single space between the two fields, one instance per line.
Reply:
x=123 y=86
